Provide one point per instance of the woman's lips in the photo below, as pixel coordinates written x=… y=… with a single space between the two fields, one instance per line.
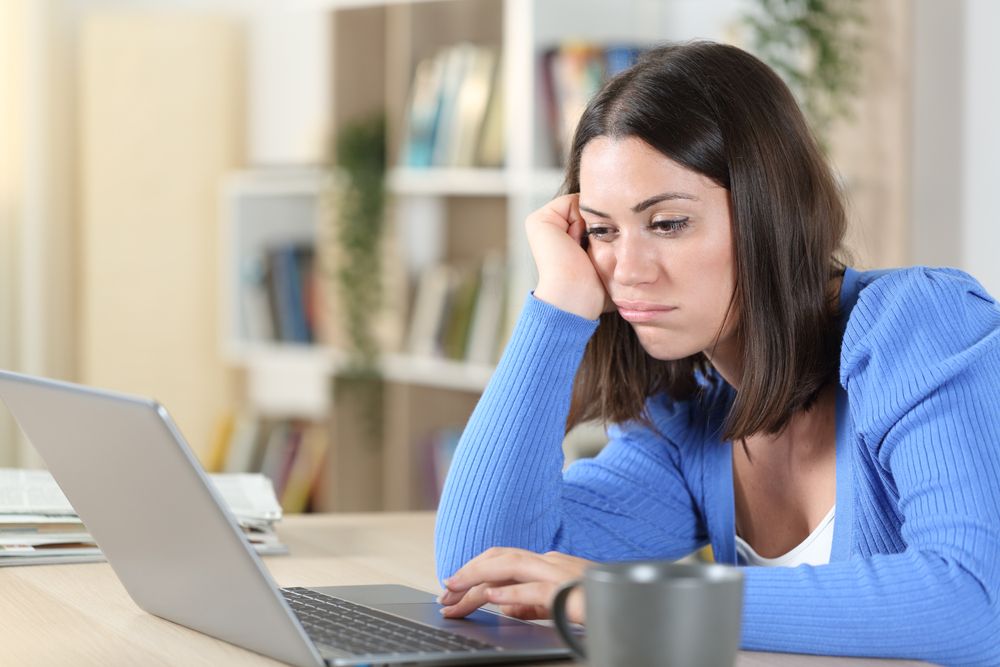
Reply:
x=638 y=311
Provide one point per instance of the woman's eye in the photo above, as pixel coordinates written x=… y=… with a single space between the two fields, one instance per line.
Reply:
x=669 y=225
x=598 y=231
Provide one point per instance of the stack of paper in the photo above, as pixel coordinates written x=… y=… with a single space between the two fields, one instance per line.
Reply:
x=38 y=525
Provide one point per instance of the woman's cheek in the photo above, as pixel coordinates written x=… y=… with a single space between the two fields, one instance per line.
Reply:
x=603 y=260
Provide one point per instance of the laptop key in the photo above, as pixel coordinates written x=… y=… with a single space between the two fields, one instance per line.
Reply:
x=360 y=630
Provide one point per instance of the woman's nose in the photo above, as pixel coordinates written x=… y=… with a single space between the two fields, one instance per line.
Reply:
x=633 y=264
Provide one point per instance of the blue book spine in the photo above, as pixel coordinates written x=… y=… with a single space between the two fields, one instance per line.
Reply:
x=619 y=58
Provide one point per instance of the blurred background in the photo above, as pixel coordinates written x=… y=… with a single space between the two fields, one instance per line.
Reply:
x=298 y=224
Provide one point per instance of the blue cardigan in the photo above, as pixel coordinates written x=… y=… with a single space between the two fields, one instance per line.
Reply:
x=915 y=566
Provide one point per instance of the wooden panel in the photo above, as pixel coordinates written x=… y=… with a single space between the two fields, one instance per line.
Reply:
x=359 y=64
x=161 y=122
x=351 y=479
x=872 y=150
x=412 y=416
x=476 y=227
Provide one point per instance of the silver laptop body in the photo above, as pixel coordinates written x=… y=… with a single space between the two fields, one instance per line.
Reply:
x=129 y=474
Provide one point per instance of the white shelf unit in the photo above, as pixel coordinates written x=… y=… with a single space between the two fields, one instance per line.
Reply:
x=267 y=207
x=375 y=46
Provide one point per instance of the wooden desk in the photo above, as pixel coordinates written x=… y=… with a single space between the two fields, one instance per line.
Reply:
x=81 y=615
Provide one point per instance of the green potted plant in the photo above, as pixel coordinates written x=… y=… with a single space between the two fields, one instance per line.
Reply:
x=816 y=47
x=351 y=264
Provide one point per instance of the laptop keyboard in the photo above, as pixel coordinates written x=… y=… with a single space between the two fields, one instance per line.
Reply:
x=361 y=630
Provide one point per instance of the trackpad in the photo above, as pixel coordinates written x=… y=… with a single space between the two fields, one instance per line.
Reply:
x=429 y=613
x=481 y=625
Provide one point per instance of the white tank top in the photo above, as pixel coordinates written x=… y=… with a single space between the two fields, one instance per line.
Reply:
x=814 y=550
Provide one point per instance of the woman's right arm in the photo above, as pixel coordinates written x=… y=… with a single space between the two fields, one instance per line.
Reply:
x=506 y=486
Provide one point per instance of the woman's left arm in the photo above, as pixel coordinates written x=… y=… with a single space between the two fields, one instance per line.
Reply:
x=922 y=365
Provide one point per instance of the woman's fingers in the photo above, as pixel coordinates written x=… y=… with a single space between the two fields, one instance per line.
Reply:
x=527 y=601
x=514 y=565
x=450 y=597
x=537 y=594
x=525 y=612
x=471 y=600
x=521 y=582
x=567 y=278
x=561 y=212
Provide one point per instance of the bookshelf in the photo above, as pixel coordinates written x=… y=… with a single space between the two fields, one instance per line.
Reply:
x=441 y=210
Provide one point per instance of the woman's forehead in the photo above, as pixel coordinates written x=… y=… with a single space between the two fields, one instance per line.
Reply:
x=626 y=169
x=631 y=157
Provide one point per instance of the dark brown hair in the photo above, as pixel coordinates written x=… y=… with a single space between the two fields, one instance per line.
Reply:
x=722 y=113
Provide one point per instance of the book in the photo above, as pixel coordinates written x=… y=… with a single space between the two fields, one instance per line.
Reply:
x=243 y=444
x=458 y=59
x=487 y=316
x=290 y=270
x=274 y=452
x=619 y=58
x=453 y=115
x=470 y=106
x=578 y=71
x=490 y=151
x=255 y=308
x=215 y=459
x=305 y=469
x=458 y=316
x=422 y=112
x=429 y=307
x=571 y=74
x=290 y=451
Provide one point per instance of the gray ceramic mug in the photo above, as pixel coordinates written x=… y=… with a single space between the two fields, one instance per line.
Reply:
x=656 y=613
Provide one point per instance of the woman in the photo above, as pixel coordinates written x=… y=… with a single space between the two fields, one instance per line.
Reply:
x=766 y=399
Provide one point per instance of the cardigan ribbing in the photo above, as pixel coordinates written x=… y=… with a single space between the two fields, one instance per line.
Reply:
x=915 y=565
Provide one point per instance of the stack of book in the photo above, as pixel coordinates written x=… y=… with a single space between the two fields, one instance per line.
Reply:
x=458 y=312
x=454 y=114
x=39 y=526
x=571 y=74
x=279 y=294
x=289 y=453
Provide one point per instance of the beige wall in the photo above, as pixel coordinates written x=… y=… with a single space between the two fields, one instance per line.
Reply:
x=871 y=150
x=11 y=49
x=161 y=122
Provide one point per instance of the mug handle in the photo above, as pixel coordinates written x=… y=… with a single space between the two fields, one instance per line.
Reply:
x=561 y=620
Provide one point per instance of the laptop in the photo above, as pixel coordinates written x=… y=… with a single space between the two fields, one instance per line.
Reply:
x=125 y=467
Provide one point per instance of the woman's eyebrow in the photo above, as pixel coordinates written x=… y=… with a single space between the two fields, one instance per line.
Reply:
x=644 y=204
x=595 y=212
x=656 y=199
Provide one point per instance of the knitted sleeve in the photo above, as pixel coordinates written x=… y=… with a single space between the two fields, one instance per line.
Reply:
x=506 y=485
x=921 y=364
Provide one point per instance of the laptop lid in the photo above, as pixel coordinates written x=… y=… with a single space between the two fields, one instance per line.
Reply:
x=178 y=551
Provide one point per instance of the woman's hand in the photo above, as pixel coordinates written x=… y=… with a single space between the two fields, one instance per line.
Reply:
x=521 y=582
x=567 y=278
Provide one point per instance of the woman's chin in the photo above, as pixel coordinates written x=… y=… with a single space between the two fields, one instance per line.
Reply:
x=668 y=350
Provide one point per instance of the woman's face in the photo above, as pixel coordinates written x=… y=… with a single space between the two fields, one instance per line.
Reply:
x=661 y=239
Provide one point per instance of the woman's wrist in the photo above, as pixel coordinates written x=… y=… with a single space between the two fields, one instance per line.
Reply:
x=570 y=300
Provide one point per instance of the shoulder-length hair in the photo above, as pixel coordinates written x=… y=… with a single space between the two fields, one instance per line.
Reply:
x=722 y=113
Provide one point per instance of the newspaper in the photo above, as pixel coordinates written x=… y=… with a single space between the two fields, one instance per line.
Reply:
x=39 y=525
